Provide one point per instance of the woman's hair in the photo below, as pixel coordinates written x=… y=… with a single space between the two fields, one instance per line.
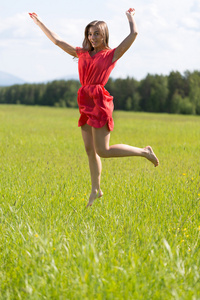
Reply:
x=103 y=28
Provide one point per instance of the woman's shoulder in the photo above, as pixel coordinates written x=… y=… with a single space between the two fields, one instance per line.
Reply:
x=80 y=51
x=108 y=54
x=109 y=51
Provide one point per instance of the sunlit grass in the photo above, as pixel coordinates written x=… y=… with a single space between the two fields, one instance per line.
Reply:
x=140 y=241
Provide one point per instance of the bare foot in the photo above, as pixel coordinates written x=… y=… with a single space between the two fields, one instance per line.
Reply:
x=150 y=155
x=94 y=195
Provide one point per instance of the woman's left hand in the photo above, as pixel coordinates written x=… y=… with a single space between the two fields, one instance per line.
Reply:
x=130 y=13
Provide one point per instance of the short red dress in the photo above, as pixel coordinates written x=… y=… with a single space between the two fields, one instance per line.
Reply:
x=94 y=101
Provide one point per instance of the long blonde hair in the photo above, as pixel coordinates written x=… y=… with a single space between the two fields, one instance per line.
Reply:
x=103 y=28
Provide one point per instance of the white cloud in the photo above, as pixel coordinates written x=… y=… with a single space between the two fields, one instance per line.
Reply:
x=169 y=37
x=192 y=21
x=72 y=30
x=17 y=26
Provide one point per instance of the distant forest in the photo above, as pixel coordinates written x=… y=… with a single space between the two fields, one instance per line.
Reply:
x=175 y=93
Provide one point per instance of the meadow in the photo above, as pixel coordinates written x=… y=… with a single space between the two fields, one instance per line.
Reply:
x=141 y=240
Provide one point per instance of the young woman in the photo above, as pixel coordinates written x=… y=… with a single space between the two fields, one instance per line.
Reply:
x=96 y=61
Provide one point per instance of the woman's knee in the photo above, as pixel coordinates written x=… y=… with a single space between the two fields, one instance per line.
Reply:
x=101 y=141
x=102 y=152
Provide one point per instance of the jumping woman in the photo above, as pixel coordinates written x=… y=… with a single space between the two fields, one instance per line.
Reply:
x=95 y=62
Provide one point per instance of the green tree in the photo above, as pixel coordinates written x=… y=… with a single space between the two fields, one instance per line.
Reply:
x=154 y=93
x=194 y=90
x=177 y=84
x=122 y=90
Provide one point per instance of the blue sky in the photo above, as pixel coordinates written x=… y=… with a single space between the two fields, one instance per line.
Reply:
x=169 y=36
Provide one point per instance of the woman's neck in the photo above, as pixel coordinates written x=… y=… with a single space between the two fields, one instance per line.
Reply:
x=97 y=49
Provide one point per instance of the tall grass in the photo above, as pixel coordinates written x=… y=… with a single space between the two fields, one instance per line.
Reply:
x=140 y=241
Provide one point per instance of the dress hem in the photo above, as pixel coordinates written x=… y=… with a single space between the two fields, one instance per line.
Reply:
x=110 y=124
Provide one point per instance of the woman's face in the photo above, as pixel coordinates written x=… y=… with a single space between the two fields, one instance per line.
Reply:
x=95 y=37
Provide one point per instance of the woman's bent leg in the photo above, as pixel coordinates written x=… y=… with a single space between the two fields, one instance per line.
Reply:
x=94 y=163
x=101 y=142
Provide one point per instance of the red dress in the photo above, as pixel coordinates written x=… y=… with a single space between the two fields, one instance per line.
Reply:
x=94 y=101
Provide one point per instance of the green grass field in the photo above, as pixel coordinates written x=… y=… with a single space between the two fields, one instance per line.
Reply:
x=140 y=241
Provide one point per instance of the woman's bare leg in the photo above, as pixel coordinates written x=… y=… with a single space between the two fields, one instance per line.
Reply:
x=94 y=163
x=101 y=138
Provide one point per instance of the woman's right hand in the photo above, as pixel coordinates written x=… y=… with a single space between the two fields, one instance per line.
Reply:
x=35 y=18
x=53 y=36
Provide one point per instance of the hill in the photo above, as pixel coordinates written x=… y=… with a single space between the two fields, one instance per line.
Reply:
x=7 y=79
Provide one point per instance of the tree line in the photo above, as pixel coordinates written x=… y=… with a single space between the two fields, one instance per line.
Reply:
x=173 y=93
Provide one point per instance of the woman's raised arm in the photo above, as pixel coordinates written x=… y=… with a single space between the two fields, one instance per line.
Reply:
x=53 y=36
x=127 y=42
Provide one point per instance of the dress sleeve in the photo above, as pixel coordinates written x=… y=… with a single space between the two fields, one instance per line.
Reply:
x=110 y=57
x=79 y=51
